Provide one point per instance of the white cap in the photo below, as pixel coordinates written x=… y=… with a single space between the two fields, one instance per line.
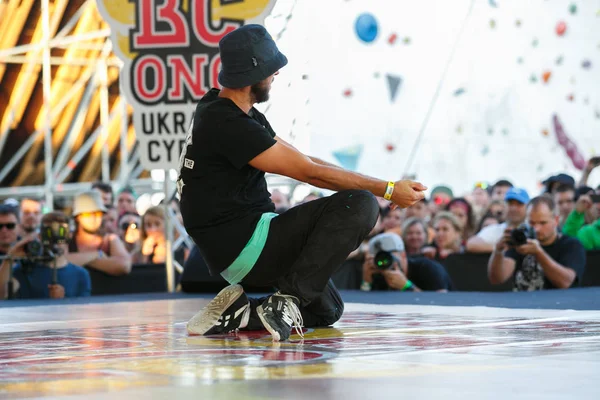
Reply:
x=386 y=242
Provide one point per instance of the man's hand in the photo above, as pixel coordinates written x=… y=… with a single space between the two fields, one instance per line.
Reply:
x=56 y=291
x=394 y=278
x=429 y=252
x=584 y=204
x=531 y=247
x=406 y=193
x=18 y=250
x=503 y=244
x=369 y=268
x=148 y=246
x=592 y=163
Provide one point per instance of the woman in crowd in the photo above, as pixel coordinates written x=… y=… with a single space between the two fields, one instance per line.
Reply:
x=153 y=248
x=448 y=237
x=414 y=235
x=487 y=220
x=153 y=242
x=463 y=211
x=497 y=208
x=130 y=224
x=392 y=220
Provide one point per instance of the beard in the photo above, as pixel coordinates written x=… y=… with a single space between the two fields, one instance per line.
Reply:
x=260 y=92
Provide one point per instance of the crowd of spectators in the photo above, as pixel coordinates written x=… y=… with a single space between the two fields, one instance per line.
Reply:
x=51 y=255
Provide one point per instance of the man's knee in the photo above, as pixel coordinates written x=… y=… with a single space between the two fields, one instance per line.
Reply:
x=331 y=317
x=337 y=314
x=367 y=204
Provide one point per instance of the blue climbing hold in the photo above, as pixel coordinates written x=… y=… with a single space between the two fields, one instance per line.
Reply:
x=366 y=27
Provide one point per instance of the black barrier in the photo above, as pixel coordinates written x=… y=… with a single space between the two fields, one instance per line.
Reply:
x=468 y=273
x=143 y=278
x=591 y=277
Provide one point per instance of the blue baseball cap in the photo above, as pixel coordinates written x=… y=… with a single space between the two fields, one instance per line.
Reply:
x=517 y=194
x=248 y=55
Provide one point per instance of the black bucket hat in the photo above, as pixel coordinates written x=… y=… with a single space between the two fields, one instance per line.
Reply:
x=248 y=55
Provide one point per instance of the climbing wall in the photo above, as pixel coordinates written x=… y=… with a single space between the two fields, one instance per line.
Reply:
x=452 y=92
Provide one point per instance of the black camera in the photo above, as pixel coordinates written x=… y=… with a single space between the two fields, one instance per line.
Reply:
x=52 y=234
x=384 y=260
x=520 y=235
x=382 y=246
x=33 y=249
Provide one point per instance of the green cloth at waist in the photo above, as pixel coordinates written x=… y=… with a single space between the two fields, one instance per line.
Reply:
x=245 y=261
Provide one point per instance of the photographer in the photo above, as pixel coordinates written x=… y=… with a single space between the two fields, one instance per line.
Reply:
x=516 y=211
x=9 y=221
x=387 y=267
x=40 y=266
x=548 y=261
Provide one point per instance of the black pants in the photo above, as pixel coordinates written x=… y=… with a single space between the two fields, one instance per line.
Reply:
x=306 y=244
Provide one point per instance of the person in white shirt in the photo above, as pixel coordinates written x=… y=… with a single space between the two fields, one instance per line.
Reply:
x=516 y=210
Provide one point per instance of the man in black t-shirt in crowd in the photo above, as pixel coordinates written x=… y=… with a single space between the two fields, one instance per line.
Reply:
x=227 y=209
x=550 y=261
x=404 y=274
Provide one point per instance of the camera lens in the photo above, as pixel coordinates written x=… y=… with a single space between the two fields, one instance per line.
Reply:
x=384 y=260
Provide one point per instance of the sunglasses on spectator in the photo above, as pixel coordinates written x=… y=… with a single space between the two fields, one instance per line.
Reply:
x=439 y=200
x=127 y=225
x=92 y=214
x=9 y=226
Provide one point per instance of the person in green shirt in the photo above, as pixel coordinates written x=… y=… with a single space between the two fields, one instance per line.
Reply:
x=575 y=226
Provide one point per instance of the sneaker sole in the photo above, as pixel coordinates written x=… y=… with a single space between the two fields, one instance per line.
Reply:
x=206 y=318
x=274 y=333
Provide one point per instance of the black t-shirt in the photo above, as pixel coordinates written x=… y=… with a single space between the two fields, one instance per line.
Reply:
x=426 y=274
x=222 y=196
x=529 y=275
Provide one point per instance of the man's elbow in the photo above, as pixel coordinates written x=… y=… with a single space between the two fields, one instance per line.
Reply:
x=495 y=280
x=567 y=281
x=121 y=266
x=494 y=277
x=476 y=245
x=125 y=266
x=310 y=172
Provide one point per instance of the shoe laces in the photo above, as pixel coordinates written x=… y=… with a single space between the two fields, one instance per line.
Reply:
x=291 y=313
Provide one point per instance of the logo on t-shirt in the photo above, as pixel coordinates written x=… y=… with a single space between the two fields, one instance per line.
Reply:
x=530 y=276
x=188 y=163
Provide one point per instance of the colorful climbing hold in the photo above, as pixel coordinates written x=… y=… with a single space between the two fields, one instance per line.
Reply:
x=366 y=27
x=561 y=28
x=559 y=60
x=546 y=76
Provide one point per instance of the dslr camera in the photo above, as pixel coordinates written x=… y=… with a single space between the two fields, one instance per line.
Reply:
x=382 y=247
x=520 y=235
x=47 y=248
